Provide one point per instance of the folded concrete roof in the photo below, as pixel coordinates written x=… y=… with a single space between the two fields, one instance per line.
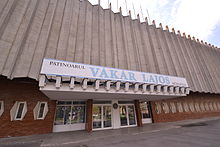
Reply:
x=74 y=30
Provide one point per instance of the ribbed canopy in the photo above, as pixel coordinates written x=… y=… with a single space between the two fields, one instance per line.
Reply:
x=74 y=30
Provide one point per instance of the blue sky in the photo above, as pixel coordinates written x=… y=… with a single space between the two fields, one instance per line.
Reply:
x=199 y=18
x=214 y=38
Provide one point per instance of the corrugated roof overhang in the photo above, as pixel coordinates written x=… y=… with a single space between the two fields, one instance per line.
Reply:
x=67 y=80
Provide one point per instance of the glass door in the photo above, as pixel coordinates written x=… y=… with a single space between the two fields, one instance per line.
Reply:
x=97 y=117
x=131 y=115
x=127 y=115
x=145 y=112
x=123 y=116
x=102 y=116
x=107 y=116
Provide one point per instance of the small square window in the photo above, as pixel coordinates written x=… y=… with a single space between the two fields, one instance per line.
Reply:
x=20 y=111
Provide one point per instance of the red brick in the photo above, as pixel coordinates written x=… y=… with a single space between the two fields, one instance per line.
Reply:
x=24 y=90
x=195 y=97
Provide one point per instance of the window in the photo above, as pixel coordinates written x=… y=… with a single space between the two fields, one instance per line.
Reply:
x=202 y=106
x=191 y=107
x=197 y=107
x=1 y=107
x=102 y=116
x=179 y=107
x=144 y=110
x=218 y=105
x=70 y=112
x=211 y=106
x=18 y=111
x=207 y=106
x=125 y=102
x=186 y=107
x=40 y=110
x=215 y=106
x=158 y=107
x=1 y=104
x=173 y=107
x=165 y=107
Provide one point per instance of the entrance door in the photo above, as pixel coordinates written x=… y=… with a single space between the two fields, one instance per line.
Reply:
x=127 y=115
x=102 y=117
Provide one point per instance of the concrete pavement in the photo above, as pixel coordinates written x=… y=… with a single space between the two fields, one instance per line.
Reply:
x=187 y=133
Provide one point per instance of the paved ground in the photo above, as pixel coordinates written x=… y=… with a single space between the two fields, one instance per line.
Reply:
x=189 y=133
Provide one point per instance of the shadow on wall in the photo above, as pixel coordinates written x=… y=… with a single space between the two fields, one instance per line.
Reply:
x=193 y=106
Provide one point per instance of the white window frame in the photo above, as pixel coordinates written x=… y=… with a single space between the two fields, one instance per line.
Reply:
x=72 y=105
x=179 y=107
x=14 y=110
x=197 y=107
x=218 y=104
x=165 y=107
x=173 y=107
x=158 y=108
x=127 y=115
x=102 y=120
x=215 y=106
x=207 y=106
x=36 y=111
x=211 y=106
x=186 y=107
x=2 y=108
x=202 y=106
x=192 y=107
x=44 y=111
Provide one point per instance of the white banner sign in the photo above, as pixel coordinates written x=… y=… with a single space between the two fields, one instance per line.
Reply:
x=71 y=69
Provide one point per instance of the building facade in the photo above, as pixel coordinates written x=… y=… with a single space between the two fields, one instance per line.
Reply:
x=107 y=71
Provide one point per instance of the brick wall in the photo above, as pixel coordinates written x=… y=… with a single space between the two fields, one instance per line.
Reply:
x=195 y=100
x=23 y=90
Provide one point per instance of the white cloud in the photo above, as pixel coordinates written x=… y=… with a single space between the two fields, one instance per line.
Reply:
x=195 y=17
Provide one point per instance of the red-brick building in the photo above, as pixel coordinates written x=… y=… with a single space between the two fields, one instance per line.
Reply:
x=68 y=65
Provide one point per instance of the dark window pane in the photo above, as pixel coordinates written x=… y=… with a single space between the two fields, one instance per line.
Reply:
x=78 y=114
x=97 y=118
x=123 y=115
x=107 y=116
x=125 y=102
x=79 y=102
x=102 y=102
x=63 y=115
x=131 y=115
x=144 y=110
x=60 y=102
x=41 y=112
x=70 y=114
x=20 y=110
x=64 y=102
x=67 y=115
x=59 y=120
x=68 y=102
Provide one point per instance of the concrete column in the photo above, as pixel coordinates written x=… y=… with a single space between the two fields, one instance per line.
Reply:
x=89 y=115
x=138 y=113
